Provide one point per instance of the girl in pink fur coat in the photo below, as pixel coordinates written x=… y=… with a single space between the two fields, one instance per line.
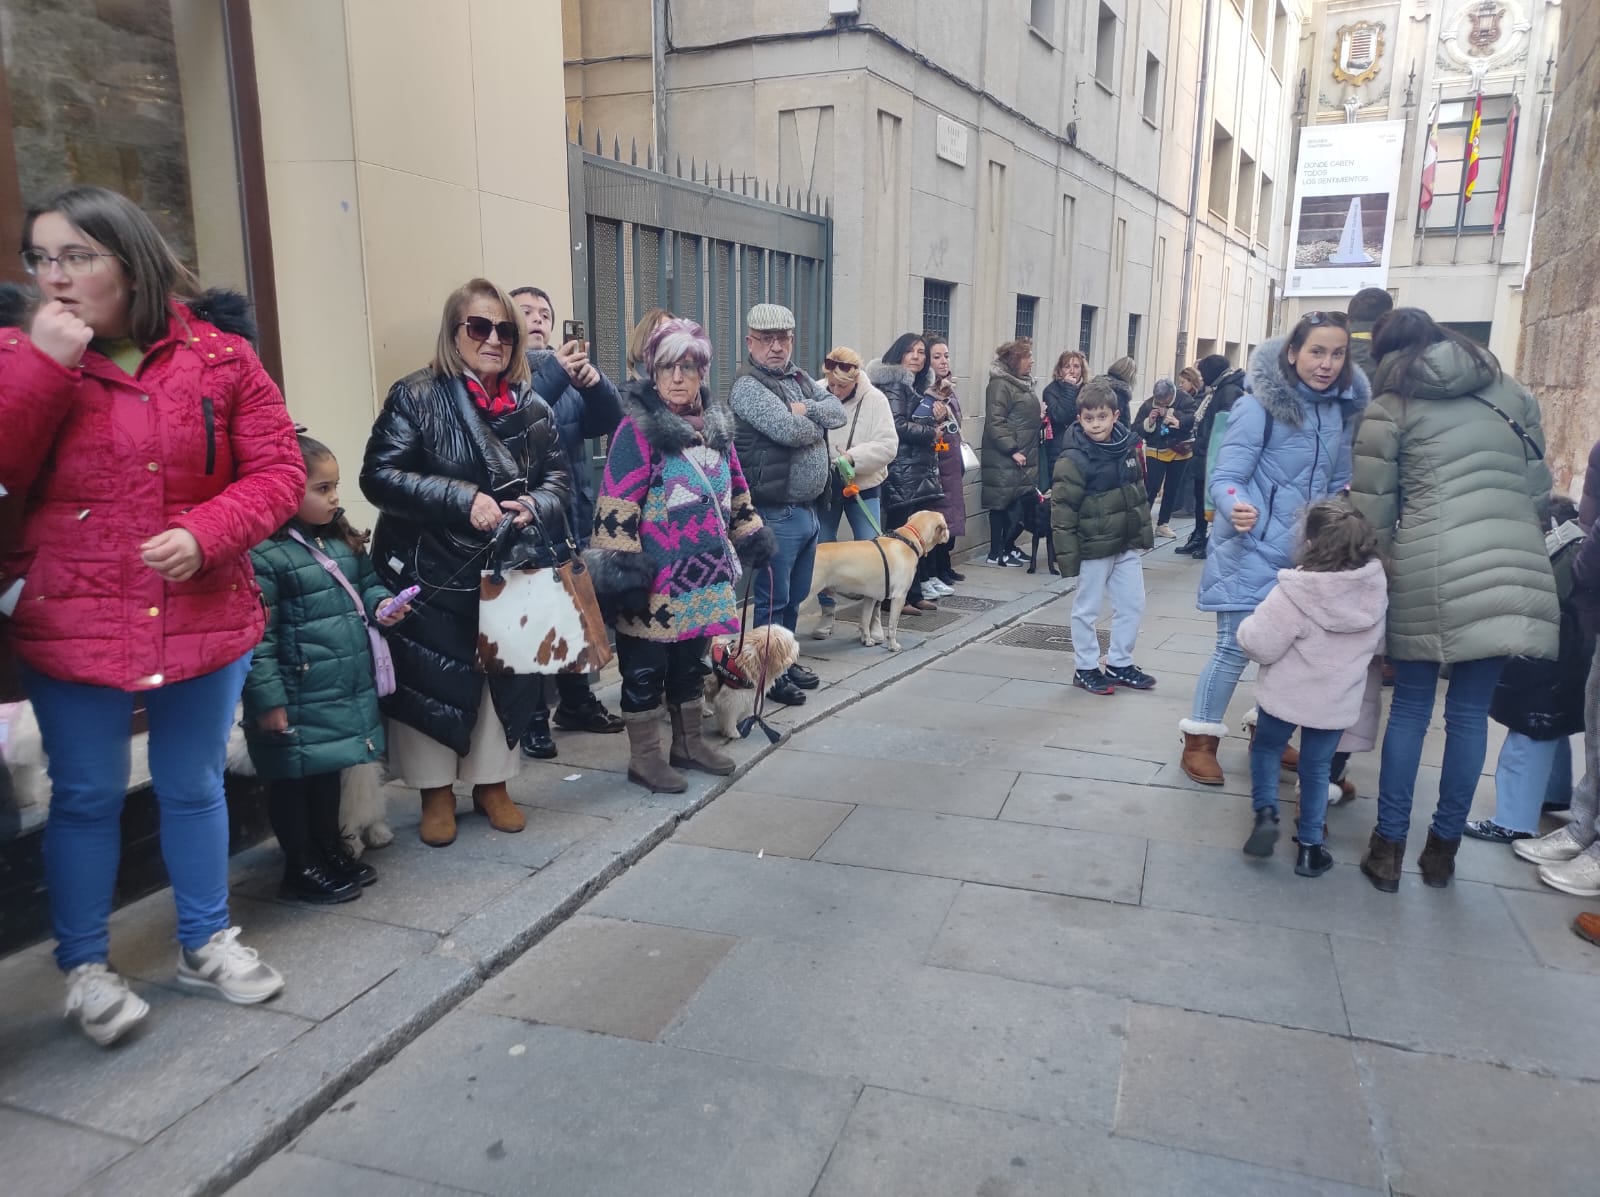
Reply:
x=1314 y=636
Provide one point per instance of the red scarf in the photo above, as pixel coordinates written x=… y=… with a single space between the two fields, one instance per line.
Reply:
x=501 y=403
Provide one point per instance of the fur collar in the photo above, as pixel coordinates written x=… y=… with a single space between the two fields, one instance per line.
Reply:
x=1287 y=400
x=667 y=433
x=879 y=374
x=228 y=311
x=997 y=370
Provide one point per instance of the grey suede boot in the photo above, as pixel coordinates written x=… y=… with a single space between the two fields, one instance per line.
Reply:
x=646 y=767
x=689 y=748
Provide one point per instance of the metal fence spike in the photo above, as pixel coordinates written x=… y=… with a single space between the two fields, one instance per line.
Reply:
x=650 y=157
x=694 y=176
x=786 y=202
x=599 y=147
x=827 y=209
x=769 y=191
x=633 y=152
x=680 y=166
x=719 y=176
x=616 y=148
x=566 y=128
x=580 y=135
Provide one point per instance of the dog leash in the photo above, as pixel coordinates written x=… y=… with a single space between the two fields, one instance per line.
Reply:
x=852 y=491
x=756 y=717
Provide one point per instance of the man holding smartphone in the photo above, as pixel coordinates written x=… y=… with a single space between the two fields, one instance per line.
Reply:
x=586 y=405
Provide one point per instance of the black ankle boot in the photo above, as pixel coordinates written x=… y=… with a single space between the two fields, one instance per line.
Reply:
x=1312 y=860
x=315 y=885
x=341 y=866
x=536 y=741
x=1263 y=835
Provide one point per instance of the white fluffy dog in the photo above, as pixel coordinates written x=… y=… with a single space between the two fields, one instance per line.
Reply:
x=363 y=810
x=768 y=651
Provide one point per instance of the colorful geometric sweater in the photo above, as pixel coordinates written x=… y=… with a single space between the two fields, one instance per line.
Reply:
x=657 y=525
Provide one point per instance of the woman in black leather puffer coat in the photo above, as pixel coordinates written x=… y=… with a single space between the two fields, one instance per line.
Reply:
x=459 y=445
x=904 y=375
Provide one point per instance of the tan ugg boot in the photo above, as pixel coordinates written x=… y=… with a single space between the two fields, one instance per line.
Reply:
x=1200 y=740
x=438 y=817
x=495 y=802
x=645 y=764
x=689 y=748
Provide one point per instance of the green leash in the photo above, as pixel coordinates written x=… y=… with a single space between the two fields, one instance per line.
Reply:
x=848 y=473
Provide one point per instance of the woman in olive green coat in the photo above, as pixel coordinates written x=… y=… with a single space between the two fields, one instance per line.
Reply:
x=1012 y=427
x=1449 y=468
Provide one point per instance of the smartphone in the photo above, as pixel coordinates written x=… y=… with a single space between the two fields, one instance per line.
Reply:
x=573 y=330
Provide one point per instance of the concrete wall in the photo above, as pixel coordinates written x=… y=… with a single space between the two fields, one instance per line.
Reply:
x=1560 y=358
x=410 y=145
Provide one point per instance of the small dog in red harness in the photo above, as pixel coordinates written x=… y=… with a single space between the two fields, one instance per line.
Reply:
x=742 y=667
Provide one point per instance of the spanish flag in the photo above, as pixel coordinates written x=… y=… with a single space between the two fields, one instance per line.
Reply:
x=1472 y=147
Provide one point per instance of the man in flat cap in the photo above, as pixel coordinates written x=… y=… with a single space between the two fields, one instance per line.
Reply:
x=782 y=418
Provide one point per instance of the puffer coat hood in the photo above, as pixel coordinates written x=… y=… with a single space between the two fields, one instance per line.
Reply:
x=1013 y=421
x=1304 y=457
x=913 y=482
x=314 y=660
x=1454 y=494
x=1314 y=636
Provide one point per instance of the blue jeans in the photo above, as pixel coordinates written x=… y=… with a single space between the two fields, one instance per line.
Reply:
x=1317 y=746
x=1528 y=774
x=860 y=529
x=1466 y=742
x=1213 y=689
x=779 y=588
x=85 y=733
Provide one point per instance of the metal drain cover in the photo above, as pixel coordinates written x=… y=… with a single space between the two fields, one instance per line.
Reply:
x=967 y=602
x=928 y=621
x=1053 y=636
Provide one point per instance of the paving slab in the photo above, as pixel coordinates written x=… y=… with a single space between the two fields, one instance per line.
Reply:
x=1518 y=1015
x=301 y=1174
x=897 y=1143
x=1156 y=812
x=46 y=1158
x=808 y=902
x=1456 y=1127
x=1270 y=974
x=1545 y=917
x=988 y=1041
x=1249 y=1091
x=606 y=975
x=547 y=1110
x=327 y=958
x=764 y=823
x=913 y=785
x=1087 y=863
x=1466 y=918
x=189 y=1048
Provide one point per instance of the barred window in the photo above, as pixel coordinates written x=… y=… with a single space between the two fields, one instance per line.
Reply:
x=1086 y=316
x=936 y=306
x=1133 y=337
x=1027 y=305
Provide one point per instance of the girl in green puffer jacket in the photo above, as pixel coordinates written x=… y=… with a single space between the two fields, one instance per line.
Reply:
x=311 y=700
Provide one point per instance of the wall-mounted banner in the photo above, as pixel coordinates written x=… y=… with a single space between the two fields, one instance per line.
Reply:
x=1344 y=203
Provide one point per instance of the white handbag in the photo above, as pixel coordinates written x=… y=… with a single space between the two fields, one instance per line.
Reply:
x=969 y=459
x=543 y=619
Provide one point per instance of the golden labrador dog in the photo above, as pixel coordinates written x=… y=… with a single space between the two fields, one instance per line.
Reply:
x=875 y=570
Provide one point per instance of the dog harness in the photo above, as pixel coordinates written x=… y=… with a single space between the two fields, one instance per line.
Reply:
x=916 y=548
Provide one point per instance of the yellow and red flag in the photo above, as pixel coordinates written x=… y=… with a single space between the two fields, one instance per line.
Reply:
x=1472 y=148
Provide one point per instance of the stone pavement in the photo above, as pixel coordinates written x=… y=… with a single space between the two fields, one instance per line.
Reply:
x=205 y=1090
x=967 y=930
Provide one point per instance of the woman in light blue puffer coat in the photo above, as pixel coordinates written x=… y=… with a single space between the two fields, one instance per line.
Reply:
x=1288 y=445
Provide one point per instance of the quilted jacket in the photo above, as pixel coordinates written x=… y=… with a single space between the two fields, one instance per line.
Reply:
x=198 y=438
x=315 y=660
x=1012 y=423
x=430 y=453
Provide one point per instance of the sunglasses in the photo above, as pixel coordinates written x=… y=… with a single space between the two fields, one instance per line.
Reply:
x=830 y=363
x=479 y=327
x=1337 y=319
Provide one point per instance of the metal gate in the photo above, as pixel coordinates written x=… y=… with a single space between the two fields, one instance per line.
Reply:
x=706 y=248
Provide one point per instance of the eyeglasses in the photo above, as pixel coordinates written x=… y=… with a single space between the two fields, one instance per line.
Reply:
x=1337 y=319
x=74 y=263
x=773 y=338
x=479 y=327
x=830 y=363
x=685 y=367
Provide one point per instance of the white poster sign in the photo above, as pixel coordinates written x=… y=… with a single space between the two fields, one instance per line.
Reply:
x=1342 y=226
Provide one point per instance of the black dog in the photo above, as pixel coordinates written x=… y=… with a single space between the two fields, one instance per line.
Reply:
x=1036 y=519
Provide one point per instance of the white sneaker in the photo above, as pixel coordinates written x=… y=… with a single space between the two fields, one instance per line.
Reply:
x=225 y=965
x=1554 y=848
x=1165 y=533
x=1579 y=876
x=934 y=588
x=101 y=1003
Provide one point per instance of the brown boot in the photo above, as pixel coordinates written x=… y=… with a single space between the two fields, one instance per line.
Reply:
x=645 y=764
x=438 y=817
x=1200 y=740
x=1587 y=926
x=689 y=748
x=1382 y=862
x=495 y=802
x=1438 y=861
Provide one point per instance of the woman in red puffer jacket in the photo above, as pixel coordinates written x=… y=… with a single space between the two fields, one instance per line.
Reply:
x=150 y=451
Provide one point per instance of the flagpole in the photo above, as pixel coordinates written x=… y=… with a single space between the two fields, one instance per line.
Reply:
x=1428 y=145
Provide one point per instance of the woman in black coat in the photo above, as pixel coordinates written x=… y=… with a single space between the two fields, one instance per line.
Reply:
x=904 y=375
x=459 y=446
x=1060 y=411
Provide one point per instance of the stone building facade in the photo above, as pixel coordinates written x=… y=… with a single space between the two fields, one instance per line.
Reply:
x=1560 y=357
x=994 y=166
